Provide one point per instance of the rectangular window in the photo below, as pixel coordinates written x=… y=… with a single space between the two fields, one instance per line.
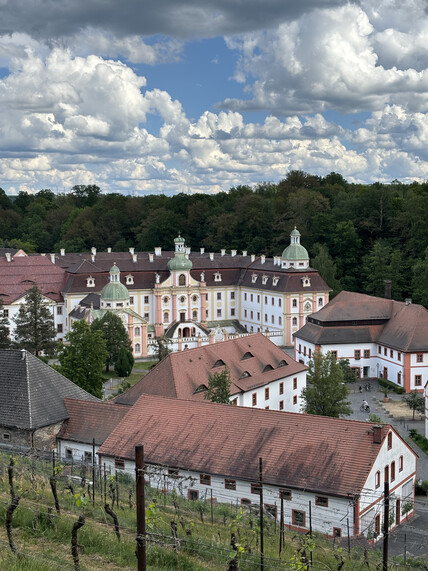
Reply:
x=254 y=399
x=357 y=354
x=258 y=299
x=230 y=484
x=267 y=393
x=419 y=358
x=232 y=295
x=295 y=399
x=337 y=532
x=218 y=312
x=391 y=354
x=266 y=299
x=377 y=479
x=193 y=495
x=219 y=296
x=418 y=380
x=258 y=316
x=279 y=302
x=266 y=317
x=232 y=312
x=379 y=349
x=300 y=348
x=294 y=383
x=401 y=464
x=245 y=297
x=59 y=310
x=59 y=328
x=334 y=354
x=273 y=319
x=146 y=299
x=245 y=313
x=273 y=301
x=392 y=471
x=5 y=313
x=377 y=525
x=366 y=353
x=385 y=351
x=131 y=299
x=310 y=353
x=255 y=488
x=205 y=479
x=68 y=453
x=251 y=297
x=389 y=440
x=119 y=464
x=321 y=501
x=298 y=518
x=6 y=436
x=87 y=457
x=399 y=355
x=251 y=314
x=146 y=316
x=281 y=405
x=304 y=350
x=285 y=494
x=281 y=388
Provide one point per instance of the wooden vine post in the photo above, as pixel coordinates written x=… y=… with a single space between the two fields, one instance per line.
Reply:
x=12 y=507
x=74 y=544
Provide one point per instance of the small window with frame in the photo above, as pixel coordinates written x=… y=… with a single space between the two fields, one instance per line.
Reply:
x=119 y=464
x=256 y=488
x=229 y=484
x=321 y=501
x=285 y=494
x=6 y=436
x=205 y=479
x=298 y=518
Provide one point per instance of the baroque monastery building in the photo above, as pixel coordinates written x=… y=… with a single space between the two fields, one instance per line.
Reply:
x=380 y=337
x=191 y=298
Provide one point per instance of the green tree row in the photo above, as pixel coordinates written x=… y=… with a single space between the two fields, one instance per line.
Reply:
x=357 y=235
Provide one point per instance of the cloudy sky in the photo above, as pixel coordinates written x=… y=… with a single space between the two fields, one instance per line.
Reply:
x=201 y=95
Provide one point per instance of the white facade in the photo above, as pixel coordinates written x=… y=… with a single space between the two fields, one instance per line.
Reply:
x=364 y=509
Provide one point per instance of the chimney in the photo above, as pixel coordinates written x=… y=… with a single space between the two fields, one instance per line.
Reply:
x=151 y=256
x=202 y=250
x=23 y=355
x=253 y=257
x=244 y=252
x=8 y=256
x=134 y=258
x=131 y=251
x=188 y=251
x=158 y=251
x=62 y=251
x=377 y=434
x=109 y=250
x=262 y=259
x=93 y=257
x=223 y=251
x=387 y=284
x=212 y=256
x=233 y=252
x=408 y=301
x=93 y=251
x=53 y=258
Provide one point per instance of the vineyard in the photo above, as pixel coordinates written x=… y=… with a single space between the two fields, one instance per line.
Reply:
x=73 y=517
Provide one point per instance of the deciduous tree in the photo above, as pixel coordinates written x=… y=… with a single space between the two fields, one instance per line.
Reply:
x=326 y=392
x=83 y=358
x=4 y=329
x=218 y=389
x=115 y=334
x=34 y=324
x=415 y=401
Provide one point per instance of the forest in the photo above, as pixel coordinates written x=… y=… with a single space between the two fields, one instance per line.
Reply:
x=356 y=235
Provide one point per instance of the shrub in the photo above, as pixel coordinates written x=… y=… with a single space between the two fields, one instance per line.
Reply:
x=391 y=387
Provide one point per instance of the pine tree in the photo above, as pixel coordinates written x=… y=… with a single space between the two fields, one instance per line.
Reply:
x=115 y=334
x=4 y=329
x=34 y=324
x=326 y=392
x=218 y=389
x=124 y=362
x=83 y=358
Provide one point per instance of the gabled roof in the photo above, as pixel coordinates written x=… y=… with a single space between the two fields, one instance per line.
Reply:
x=21 y=273
x=316 y=453
x=89 y=420
x=32 y=393
x=179 y=375
x=358 y=318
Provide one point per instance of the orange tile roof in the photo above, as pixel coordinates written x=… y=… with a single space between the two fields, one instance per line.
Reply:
x=180 y=374
x=321 y=454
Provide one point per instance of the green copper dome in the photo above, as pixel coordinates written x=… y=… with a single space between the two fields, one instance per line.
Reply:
x=180 y=263
x=295 y=251
x=114 y=290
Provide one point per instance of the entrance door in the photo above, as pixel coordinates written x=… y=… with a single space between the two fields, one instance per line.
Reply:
x=366 y=372
x=182 y=316
x=385 y=373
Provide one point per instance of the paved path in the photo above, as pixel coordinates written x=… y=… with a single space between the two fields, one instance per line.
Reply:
x=402 y=426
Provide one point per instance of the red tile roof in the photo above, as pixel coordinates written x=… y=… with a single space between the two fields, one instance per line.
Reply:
x=180 y=374
x=316 y=453
x=20 y=274
x=88 y=422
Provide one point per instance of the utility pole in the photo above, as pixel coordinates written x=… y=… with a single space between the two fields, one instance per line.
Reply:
x=385 y=528
x=141 y=508
x=262 y=555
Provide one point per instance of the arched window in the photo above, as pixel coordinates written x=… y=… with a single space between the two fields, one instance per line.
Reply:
x=320 y=301
x=166 y=317
x=137 y=331
x=294 y=320
x=182 y=280
x=195 y=315
x=294 y=303
x=137 y=348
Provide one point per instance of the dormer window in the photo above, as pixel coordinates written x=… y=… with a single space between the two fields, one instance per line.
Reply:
x=275 y=280
x=218 y=363
x=182 y=280
x=129 y=279
x=264 y=279
x=90 y=282
x=267 y=368
x=217 y=277
x=247 y=355
x=244 y=375
x=254 y=278
x=306 y=281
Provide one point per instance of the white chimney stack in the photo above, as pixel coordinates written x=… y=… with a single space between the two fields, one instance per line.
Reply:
x=53 y=258
x=93 y=257
x=109 y=250
x=244 y=252
x=151 y=257
x=262 y=259
x=212 y=256
x=233 y=252
x=202 y=250
x=93 y=251
x=134 y=258
x=253 y=257
x=62 y=251
x=131 y=251
x=8 y=257
x=158 y=251
x=223 y=251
